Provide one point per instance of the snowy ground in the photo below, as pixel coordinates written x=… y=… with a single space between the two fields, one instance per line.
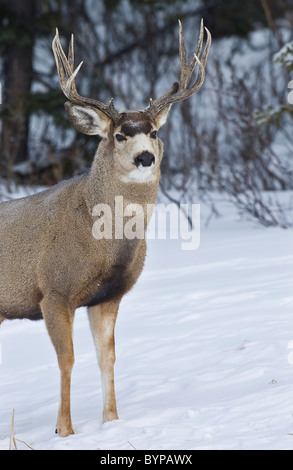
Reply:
x=204 y=358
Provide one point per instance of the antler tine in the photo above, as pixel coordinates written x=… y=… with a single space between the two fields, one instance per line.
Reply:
x=65 y=68
x=197 y=53
x=182 y=48
x=67 y=75
x=181 y=91
x=58 y=61
x=202 y=62
x=207 y=48
x=71 y=53
x=70 y=64
x=200 y=39
x=60 y=54
x=187 y=69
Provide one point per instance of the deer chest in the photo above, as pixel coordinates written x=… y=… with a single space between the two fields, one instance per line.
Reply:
x=119 y=278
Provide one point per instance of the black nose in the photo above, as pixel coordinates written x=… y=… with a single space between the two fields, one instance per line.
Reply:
x=144 y=159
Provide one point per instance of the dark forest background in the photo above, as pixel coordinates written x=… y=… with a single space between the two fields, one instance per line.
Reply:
x=234 y=137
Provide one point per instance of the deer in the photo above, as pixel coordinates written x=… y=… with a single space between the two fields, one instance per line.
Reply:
x=51 y=264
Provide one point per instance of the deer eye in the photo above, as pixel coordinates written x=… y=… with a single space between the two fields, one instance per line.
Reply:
x=154 y=135
x=120 y=137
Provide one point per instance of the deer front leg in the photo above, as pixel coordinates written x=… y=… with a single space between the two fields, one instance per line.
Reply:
x=59 y=323
x=102 y=320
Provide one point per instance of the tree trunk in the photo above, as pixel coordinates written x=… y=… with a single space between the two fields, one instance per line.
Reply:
x=18 y=73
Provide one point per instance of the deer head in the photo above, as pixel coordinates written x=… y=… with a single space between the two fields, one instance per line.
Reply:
x=133 y=133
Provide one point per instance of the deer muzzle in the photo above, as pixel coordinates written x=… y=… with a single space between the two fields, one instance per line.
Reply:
x=144 y=159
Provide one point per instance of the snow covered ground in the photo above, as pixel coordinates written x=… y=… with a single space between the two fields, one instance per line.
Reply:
x=204 y=347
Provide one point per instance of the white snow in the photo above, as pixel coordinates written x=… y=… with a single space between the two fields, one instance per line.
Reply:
x=285 y=54
x=204 y=347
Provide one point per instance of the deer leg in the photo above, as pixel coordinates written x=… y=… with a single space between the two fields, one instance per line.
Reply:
x=59 y=323
x=102 y=320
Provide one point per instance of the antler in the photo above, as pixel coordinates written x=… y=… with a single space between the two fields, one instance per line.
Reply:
x=67 y=75
x=180 y=91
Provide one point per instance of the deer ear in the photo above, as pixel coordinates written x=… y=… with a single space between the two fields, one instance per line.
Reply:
x=88 y=120
x=161 y=117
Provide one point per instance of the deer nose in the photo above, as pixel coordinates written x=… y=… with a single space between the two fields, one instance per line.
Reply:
x=144 y=159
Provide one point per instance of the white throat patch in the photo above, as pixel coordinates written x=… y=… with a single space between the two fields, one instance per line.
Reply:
x=142 y=174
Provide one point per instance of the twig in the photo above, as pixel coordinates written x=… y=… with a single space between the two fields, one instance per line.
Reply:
x=131 y=445
x=23 y=442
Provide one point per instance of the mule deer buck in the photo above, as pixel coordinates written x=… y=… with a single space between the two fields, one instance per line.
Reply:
x=51 y=263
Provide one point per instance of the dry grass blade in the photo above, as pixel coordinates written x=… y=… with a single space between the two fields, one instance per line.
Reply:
x=131 y=445
x=12 y=436
x=23 y=442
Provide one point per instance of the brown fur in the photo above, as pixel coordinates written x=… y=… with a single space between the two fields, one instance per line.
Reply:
x=51 y=264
